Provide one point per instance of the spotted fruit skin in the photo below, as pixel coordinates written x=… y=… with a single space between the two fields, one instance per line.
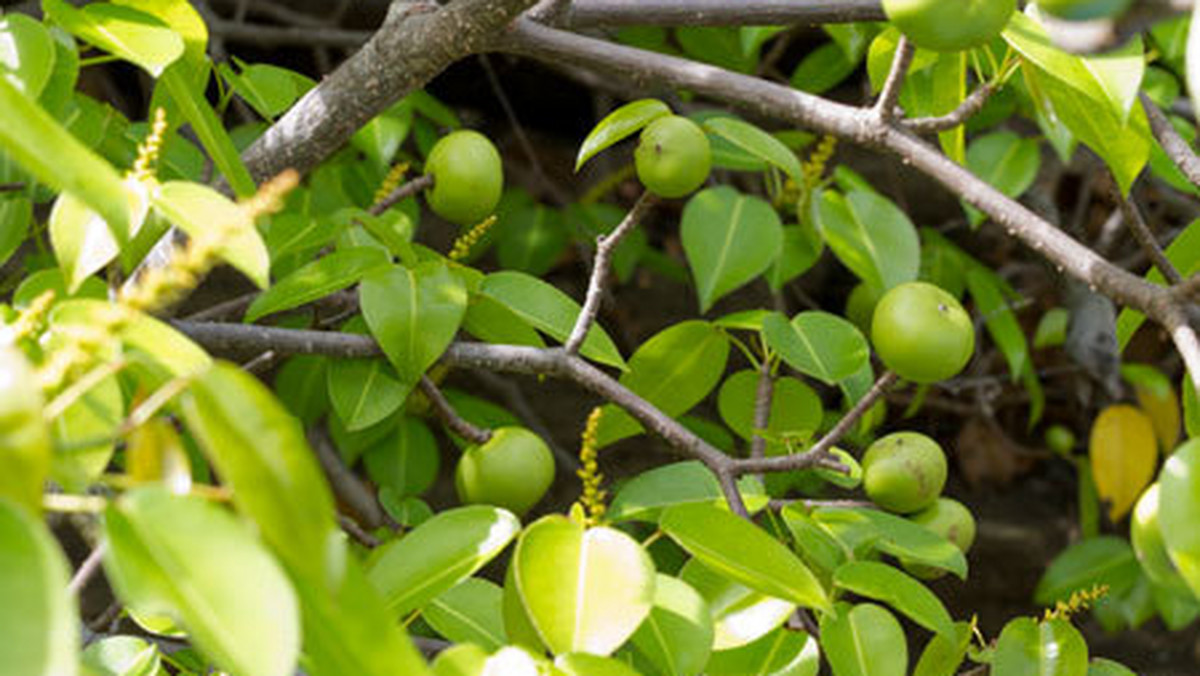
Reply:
x=468 y=177
x=904 y=472
x=950 y=519
x=922 y=332
x=673 y=156
x=949 y=25
x=513 y=470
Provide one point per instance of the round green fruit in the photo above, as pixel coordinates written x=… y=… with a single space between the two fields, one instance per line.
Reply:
x=1084 y=10
x=922 y=333
x=467 y=177
x=949 y=519
x=513 y=470
x=1060 y=439
x=673 y=157
x=860 y=306
x=904 y=472
x=1146 y=535
x=949 y=25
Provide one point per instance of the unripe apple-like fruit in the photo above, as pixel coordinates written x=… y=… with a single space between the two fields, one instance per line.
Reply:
x=860 y=306
x=922 y=333
x=1060 y=439
x=513 y=470
x=1147 y=539
x=673 y=156
x=467 y=177
x=949 y=25
x=904 y=472
x=949 y=519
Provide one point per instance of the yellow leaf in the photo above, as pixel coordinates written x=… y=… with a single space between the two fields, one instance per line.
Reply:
x=1163 y=409
x=1124 y=454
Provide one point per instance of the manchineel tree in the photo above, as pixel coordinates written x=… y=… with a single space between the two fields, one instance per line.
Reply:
x=281 y=513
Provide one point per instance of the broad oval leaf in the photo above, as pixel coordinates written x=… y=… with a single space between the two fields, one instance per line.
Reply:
x=1050 y=648
x=82 y=240
x=364 y=391
x=25 y=448
x=643 y=497
x=863 y=640
x=895 y=536
x=620 y=123
x=943 y=654
x=469 y=612
x=1179 y=511
x=870 y=236
x=1124 y=455
x=742 y=551
x=406 y=461
x=198 y=210
x=1156 y=397
x=795 y=407
x=818 y=344
x=1007 y=161
x=802 y=248
x=88 y=427
x=584 y=664
x=413 y=314
x=439 y=554
x=674 y=370
x=550 y=311
x=186 y=557
x=26 y=53
x=884 y=583
x=729 y=239
x=122 y=656
x=740 y=615
x=316 y=280
x=780 y=653
x=757 y=142
x=677 y=636
x=38 y=616
x=583 y=590
x=1104 y=560
x=124 y=32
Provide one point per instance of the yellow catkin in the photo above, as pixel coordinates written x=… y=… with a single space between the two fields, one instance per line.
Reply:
x=818 y=159
x=463 y=245
x=390 y=183
x=31 y=320
x=150 y=148
x=591 y=500
x=1080 y=600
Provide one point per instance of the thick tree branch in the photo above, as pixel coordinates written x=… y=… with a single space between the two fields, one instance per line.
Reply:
x=589 y=13
x=1174 y=145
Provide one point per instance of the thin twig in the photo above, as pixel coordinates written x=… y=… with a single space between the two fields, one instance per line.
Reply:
x=885 y=107
x=593 y=13
x=357 y=532
x=402 y=192
x=969 y=107
x=1145 y=238
x=87 y=569
x=605 y=246
x=349 y=489
x=456 y=423
x=11 y=187
x=224 y=310
x=762 y=410
x=1176 y=147
x=733 y=496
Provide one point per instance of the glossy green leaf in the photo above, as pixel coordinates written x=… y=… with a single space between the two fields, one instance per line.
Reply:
x=943 y=654
x=469 y=612
x=38 y=616
x=24 y=436
x=677 y=636
x=209 y=129
x=643 y=497
x=1105 y=560
x=186 y=557
x=780 y=653
x=316 y=280
x=532 y=240
x=674 y=370
x=83 y=241
x=260 y=452
x=550 y=311
x=1051 y=648
x=740 y=615
x=364 y=391
x=584 y=664
x=795 y=407
x=471 y=660
x=815 y=544
x=406 y=461
x=414 y=314
x=491 y=321
x=742 y=551
x=16 y=215
x=1179 y=509
x=818 y=344
x=729 y=239
x=198 y=210
x=1007 y=161
x=619 y=124
x=122 y=656
x=269 y=89
x=897 y=537
x=439 y=554
x=988 y=291
x=870 y=236
x=802 y=248
x=863 y=640
x=1184 y=254
x=87 y=429
x=884 y=583
x=124 y=32
x=26 y=54
x=1102 y=667
x=583 y=590
x=822 y=69
x=757 y=142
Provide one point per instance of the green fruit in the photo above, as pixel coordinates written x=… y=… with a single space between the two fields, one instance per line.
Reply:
x=949 y=25
x=904 y=472
x=673 y=156
x=949 y=519
x=922 y=333
x=860 y=306
x=1146 y=535
x=513 y=470
x=467 y=177
x=1060 y=439
x=1084 y=10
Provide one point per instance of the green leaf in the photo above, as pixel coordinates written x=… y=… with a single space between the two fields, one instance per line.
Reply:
x=583 y=590
x=414 y=314
x=491 y=321
x=818 y=344
x=38 y=616
x=1006 y=161
x=1102 y=667
x=1051 y=648
x=26 y=54
x=36 y=141
x=863 y=640
x=780 y=653
x=259 y=451
x=16 y=215
x=884 y=583
x=740 y=550
x=25 y=448
x=198 y=210
x=188 y=558
x=674 y=370
x=584 y=664
x=823 y=69
x=1179 y=508
x=364 y=391
x=897 y=537
x=729 y=239
x=943 y=654
x=1105 y=560
x=124 y=32
x=622 y=122
x=795 y=407
x=269 y=89
x=988 y=291
x=532 y=240
x=1184 y=254
x=643 y=497
x=439 y=554
x=677 y=636
x=550 y=311
x=406 y=461
x=87 y=427
x=122 y=656
x=318 y=279
x=740 y=615
x=209 y=129
x=469 y=612
x=758 y=143
x=802 y=248
x=870 y=236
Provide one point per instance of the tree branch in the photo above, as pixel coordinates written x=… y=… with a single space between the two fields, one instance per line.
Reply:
x=1174 y=145
x=456 y=423
x=1145 y=238
x=762 y=410
x=591 y=13
x=885 y=107
x=969 y=107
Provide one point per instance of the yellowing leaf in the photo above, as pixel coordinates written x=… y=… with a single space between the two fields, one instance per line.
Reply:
x=1156 y=397
x=1124 y=453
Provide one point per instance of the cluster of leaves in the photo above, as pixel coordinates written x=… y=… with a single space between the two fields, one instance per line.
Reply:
x=122 y=414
